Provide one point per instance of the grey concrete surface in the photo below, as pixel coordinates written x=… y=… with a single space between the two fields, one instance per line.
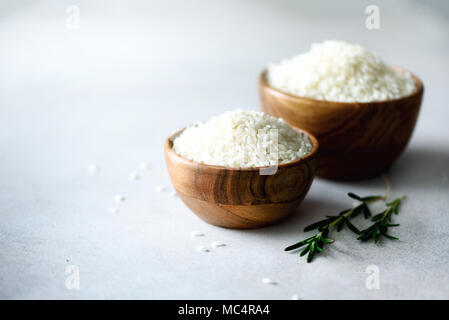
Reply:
x=110 y=92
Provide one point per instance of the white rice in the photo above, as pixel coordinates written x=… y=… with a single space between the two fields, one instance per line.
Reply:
x=339 y=71
x=242 y=139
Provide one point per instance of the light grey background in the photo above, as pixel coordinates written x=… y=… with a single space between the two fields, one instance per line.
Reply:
x=110 y=92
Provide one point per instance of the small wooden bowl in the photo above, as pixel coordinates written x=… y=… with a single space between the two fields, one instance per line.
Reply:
x=357 y=140
x=241 y=198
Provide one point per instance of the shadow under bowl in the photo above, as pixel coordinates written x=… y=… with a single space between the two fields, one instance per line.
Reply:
x=241 y=198
x=357 y=140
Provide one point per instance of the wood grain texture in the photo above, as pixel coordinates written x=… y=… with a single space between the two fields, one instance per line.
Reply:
x=357 y=140
x=241 y=198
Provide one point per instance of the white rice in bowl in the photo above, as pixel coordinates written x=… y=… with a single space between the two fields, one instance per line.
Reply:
x=242 y=139
x=339 y=71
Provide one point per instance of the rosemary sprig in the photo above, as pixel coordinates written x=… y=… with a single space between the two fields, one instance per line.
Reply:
x=315 y=244
x=382 y=222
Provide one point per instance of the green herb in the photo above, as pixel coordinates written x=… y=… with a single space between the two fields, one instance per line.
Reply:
x=315 y=244
x=382 y=222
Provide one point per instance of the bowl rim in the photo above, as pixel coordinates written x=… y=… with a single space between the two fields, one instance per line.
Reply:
x=418 y=91
x=313 y=153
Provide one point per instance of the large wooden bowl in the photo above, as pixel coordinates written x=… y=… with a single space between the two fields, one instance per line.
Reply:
x=241 y=198
x=357 y=140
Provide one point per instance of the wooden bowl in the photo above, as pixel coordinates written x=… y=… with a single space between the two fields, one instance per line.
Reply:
x=357 y=140
x=241 y=198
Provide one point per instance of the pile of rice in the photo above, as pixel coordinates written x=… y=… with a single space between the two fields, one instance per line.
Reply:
x=339 y=71
x=242 y=139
